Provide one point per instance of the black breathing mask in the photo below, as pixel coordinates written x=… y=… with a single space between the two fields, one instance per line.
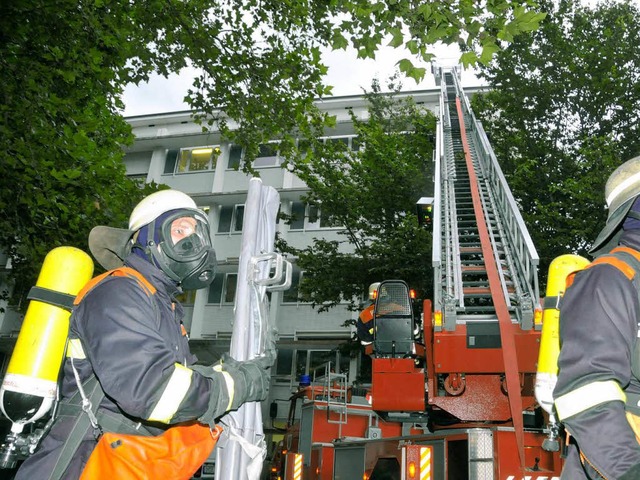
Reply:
x=184 y=251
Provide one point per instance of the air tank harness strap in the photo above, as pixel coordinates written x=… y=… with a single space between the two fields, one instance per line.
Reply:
x=46 y=295
x=117 y=272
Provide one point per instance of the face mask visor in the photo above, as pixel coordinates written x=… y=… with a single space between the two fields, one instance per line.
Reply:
x=185 y=236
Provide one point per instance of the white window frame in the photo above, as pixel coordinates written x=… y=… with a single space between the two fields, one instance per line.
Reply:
x=240 y=162
x=234 y=219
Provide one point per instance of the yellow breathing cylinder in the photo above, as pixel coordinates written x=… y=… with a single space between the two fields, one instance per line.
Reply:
x=561 y=267
x=30 y=384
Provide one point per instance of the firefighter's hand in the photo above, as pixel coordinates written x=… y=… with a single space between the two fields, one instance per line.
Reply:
x=234 y=383
x=252 y=382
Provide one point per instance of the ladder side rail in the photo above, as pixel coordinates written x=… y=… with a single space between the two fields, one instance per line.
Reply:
x=436 y=252
x=447 y=292
x=518 y=255
x=451 y=236
x=453 y=292
x=456 y=293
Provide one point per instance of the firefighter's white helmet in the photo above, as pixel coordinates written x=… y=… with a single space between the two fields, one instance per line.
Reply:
x=620 y=191
x=154 y=205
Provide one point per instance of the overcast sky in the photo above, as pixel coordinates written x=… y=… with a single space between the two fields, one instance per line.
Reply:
x=346 y=73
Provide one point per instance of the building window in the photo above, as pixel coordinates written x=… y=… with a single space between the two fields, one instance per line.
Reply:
x=284 y=362
x=301 y=365
x=309 y=217
x=231 y=218
x=352 y=143
x=267 y=156
x=197 y=159
x=297 y=216
x=235 y=157
x=215 y=289
x=313 y=216
x=230 y=286
x=292 y=294
x=170 y=161
x=223 y=289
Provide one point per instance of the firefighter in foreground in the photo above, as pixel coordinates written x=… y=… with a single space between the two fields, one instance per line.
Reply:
x=598 y=390
x=127 y=331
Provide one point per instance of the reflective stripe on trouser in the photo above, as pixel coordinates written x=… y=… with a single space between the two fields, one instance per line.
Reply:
x=173 y=394
x=588 y=396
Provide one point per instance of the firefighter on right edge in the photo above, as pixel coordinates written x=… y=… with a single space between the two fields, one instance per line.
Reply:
x=598 y=390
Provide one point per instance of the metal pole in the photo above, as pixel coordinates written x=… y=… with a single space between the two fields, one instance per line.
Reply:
x=242 y=448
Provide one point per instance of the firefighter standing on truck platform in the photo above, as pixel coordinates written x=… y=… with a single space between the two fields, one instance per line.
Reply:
x=135 y=343
x=364 y=324
x=598 y=390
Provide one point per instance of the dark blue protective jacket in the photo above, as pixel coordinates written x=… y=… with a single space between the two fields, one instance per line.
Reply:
x=136 y=345
x=599 y=318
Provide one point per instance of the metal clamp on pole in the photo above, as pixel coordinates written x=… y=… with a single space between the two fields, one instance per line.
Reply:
x=279 y=279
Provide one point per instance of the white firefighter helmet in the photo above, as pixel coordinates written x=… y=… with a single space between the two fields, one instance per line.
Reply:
x=620 y=191
x=154 y=205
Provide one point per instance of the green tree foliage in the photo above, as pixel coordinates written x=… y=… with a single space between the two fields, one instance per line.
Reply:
x=371 y=195
x=65 y=64
x=563 y=113
x=60 y=135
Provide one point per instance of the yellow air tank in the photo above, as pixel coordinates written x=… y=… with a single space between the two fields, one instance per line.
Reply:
x=561 y=267
x=30 y=384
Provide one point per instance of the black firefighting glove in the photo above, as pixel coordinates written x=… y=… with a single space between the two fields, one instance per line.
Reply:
x=251 y=380
x=234 y=383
